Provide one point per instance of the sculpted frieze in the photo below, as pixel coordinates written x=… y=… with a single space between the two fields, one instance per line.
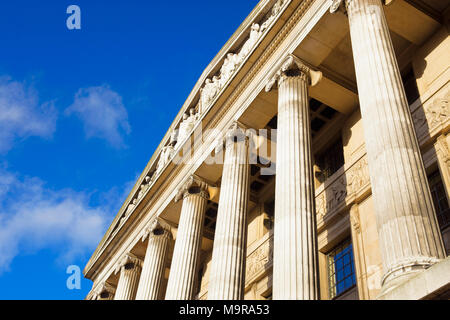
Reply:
x=260 y=259
x=233 y=60
x=432 y=114
x=186 y=126
x=350 y=183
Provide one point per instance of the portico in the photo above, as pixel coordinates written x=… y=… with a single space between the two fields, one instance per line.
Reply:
x=302 y=169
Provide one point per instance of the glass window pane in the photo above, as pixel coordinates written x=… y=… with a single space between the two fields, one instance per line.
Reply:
x=341 y=270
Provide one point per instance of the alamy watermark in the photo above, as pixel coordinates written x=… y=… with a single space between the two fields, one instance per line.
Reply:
x=73 y=22
x=74 y=280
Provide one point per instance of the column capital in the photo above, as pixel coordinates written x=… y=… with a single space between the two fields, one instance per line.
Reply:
x=291 y=66
x=105 y=287
x=338 y=5
x=128 y=261
x=193 y=185
x=236 y=133
x=157 y=228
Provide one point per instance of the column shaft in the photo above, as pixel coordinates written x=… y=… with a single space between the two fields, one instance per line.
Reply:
x=227 y=277
x=183 y=270
x=150 y=284
x=409 y=236
x=128 y=282
x=295 y=245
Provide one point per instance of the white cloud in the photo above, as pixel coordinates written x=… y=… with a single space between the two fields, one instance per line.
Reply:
x=34 y=217
x=103 y=114
x=21 y=115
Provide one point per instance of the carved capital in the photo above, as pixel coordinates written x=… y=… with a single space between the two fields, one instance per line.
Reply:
x=129 y=261
x=292 y=66
x=157 y=228
x=336 y=5
x=105 y=291
x=236 y=133
x=342 y=5
x=193 y=185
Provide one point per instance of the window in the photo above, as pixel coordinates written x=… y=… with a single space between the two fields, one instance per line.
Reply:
x=439 y=199
x=330 y=160
x=341 y=269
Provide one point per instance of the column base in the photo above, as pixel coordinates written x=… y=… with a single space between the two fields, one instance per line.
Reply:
x=407 y=268
x=419 y=282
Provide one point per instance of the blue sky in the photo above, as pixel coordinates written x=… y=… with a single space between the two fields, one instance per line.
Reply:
x=81 y=113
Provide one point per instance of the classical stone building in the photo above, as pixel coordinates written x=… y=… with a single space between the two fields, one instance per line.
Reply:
x=310 y=161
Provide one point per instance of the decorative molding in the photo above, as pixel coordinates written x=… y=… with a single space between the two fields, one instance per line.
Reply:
x=166 y=155
x=432 y=116
x=287 y=66
x=143 y=188
x=259 y=260
x=358 y=176
x=185 y=128
x=344 y=189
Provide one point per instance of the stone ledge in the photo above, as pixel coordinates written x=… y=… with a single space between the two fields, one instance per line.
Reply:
x=433 y=283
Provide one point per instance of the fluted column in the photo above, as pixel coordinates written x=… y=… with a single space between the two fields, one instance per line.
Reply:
x=130 y=269
x=295 y=273
x=183 y=271
x=407 y=227
x=227 y=276
x=150 y=283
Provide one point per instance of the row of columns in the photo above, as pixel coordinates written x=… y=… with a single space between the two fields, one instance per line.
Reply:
x=409 y=235
x=230 y=241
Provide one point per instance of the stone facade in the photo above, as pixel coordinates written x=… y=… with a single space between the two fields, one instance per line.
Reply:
x=311 y=161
